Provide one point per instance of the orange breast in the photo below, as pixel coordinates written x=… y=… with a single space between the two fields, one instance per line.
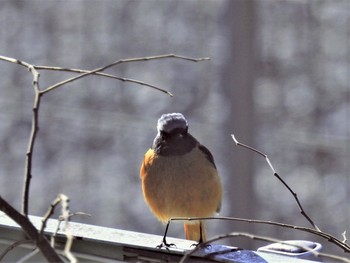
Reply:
x=180 y=186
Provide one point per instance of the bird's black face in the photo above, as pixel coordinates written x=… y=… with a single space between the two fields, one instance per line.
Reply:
x=173 y=137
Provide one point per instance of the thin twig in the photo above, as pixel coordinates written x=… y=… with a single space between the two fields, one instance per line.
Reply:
x=105 y=75
x=64 y=217
x=120 y=61
x=49 y=213
x=261 y=238
x=54 y=234
x=13 y=246
x=16 y=61
x=345 y=240
x=33 y=133
x=65 y=214
x=330 y=238
x=59 y=222
x=28 y=256
x=302 y=210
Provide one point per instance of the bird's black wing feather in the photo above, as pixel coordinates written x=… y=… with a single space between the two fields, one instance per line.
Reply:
x=207 y=154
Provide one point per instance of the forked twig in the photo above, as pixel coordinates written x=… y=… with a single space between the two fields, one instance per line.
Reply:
x=121 y=61
x=88 y=72
x=302 y=210
x=135 y=81
x=64 y=217
x=49 y=213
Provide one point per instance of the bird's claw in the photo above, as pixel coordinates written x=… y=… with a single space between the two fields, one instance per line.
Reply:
x=200 y=244
x=166 y=244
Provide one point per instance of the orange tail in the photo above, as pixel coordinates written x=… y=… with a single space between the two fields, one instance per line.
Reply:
x=195 y=231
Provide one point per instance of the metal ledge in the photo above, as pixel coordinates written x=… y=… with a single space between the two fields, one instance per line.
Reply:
x=102 y=244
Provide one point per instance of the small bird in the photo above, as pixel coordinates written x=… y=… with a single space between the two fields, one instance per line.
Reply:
x=179 y=177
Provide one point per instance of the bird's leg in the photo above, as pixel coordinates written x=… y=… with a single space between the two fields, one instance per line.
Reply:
x=201 y=240
x=164 y=243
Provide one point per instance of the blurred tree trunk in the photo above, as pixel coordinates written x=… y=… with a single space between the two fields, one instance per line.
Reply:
x=237 y=84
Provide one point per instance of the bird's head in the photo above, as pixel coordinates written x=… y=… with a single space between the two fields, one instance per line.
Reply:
x=172 y=124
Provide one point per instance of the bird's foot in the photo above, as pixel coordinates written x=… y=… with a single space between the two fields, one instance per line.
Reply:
x=201 y=245
x=165 y=244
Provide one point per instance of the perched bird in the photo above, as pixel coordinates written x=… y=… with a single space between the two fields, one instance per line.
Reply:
x=179 y=177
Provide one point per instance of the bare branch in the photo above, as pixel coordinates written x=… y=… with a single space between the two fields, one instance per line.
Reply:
x=49 y=213
x=34 y=130
x=302 y=211
x=107 y=76
x=33 y=133
x=121 y=61
x=330 y=238
x=254 y=150
x=16 y=61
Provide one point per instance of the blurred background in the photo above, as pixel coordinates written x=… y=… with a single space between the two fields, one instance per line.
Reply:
x=278 y=79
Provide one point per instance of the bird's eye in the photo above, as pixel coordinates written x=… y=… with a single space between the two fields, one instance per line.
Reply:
x=164 y=134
